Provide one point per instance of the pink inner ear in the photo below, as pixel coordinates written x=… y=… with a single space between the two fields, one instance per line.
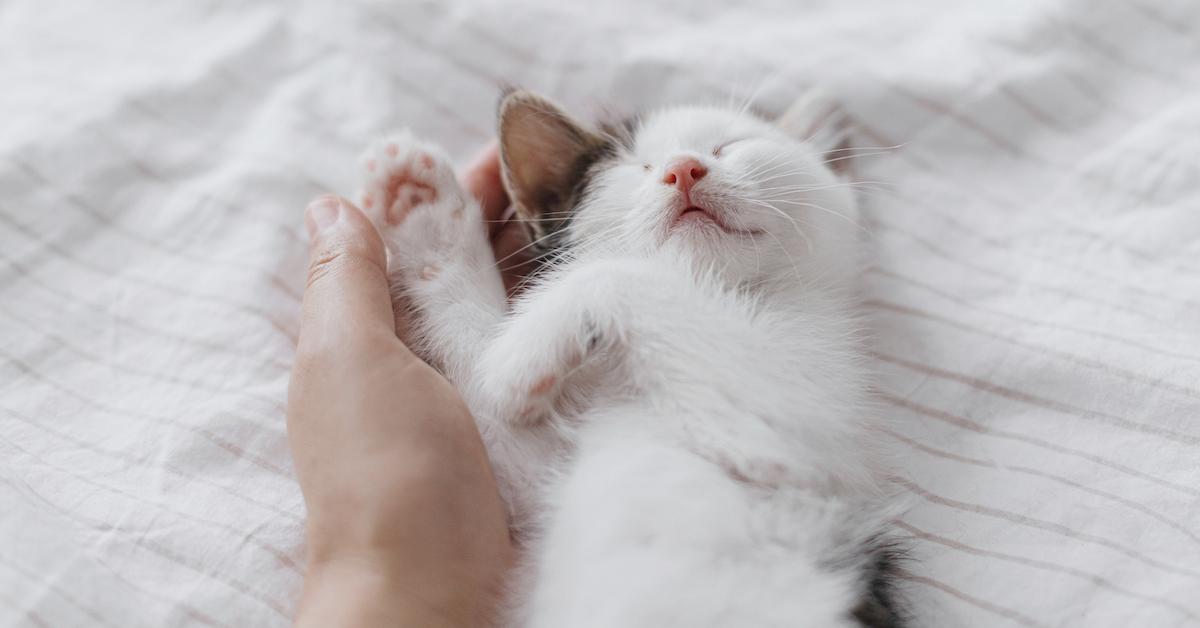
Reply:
x=823 y=119
x=815 y=114
x=817 y=118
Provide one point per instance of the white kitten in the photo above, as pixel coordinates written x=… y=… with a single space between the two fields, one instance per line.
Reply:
x=677 y=408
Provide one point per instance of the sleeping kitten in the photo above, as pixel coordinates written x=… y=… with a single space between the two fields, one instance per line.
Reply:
x=677 y=407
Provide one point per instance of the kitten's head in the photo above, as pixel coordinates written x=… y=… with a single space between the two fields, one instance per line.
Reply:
x=723 y=188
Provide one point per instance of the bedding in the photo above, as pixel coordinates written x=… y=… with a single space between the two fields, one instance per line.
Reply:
x=1034 y=290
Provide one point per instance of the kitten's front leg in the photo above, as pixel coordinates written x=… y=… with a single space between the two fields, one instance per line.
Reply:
x=439 y=259
x=552 y=336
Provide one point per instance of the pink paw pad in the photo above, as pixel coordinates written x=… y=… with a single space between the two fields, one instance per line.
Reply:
x=418 y=194
x=543 y=386
x=396 y=213
x=428 y=273
x=403 y=194
x=403 y=176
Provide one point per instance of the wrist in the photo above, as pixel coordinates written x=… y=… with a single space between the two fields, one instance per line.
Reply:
x=354 y=593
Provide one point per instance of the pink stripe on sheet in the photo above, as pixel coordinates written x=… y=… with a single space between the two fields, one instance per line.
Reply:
x=946 y=112
x=1048 y=526
x=1068 y=294
x=278 y=554
x=1112 y=52
x=1008 y=247
x=1035 y=111
x=31 y=616
x=1042 y=350
x=265 y=366
x=104 y=274
x=140 y=541
x=1044 y=566
x=236 y=451
x=1037 y=322
x=973 y=600
x=195 y=386
x=1000 y=202
x=974 y=426
x=147 y=460
x=1042 y=402
x=1128 y=503
x=32 y=577
x=205 y=261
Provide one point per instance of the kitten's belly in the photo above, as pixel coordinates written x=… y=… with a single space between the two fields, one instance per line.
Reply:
x=636 y=517
x=705 y=500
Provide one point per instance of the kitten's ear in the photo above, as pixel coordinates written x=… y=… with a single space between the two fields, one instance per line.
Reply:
x=818 y=119
x=544 y=156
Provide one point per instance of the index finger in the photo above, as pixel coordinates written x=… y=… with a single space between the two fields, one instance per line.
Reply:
x=482 y=179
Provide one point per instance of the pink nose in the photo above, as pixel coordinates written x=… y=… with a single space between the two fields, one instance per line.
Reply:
x=684 y=173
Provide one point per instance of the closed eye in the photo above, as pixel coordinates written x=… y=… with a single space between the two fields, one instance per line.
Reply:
x=716 y=152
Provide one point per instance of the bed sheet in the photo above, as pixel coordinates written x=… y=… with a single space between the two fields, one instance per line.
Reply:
x=1034 y=283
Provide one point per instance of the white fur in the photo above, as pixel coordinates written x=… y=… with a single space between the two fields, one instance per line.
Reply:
x=703 y=454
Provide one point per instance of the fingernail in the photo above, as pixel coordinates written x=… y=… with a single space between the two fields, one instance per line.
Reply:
x=321 y=214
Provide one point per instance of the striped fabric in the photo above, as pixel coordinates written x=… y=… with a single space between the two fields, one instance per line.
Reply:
x=1035 y=281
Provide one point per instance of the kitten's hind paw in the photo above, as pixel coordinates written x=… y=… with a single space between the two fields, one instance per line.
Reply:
x=402 y=174
x=425 y=217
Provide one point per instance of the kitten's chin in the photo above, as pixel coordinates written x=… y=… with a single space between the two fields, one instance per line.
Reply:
x=696 y=231
x=694 y=213
x=698 y=220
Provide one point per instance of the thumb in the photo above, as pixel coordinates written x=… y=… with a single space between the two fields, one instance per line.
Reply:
x=347 y=304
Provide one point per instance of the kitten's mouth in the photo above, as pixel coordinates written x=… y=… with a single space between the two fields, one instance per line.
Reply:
x=695 y=214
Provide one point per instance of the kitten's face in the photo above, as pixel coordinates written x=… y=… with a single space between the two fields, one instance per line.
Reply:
x=723 y=187
x=720 y=188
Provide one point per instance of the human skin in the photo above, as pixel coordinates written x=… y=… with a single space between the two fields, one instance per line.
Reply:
x=405 y=526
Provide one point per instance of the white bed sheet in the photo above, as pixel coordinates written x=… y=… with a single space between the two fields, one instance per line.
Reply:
x=1034 y=285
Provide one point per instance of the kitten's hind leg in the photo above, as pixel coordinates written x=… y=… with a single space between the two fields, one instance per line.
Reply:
x=439 y=258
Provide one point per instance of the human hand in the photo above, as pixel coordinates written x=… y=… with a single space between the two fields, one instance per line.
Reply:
x=509 y=239
x=405 y=523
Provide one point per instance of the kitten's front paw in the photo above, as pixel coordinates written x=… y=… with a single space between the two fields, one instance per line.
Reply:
x=425 y=218
x=529 y=398
x=528 y=374
x=535 y=400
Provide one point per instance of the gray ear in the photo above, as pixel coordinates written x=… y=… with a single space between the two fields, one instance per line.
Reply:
x=545 y=156
x=818 y=119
